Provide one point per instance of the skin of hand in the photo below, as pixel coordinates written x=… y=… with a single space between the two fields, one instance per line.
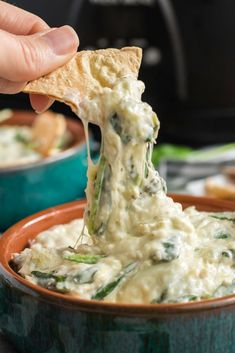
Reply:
x=30 y=49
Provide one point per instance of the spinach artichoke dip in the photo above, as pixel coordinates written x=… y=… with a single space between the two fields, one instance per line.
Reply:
x=22 y=144
x=16 y=146
x=136 y=244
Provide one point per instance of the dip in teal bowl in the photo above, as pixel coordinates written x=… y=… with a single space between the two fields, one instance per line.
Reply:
x=28 y=188
x=37 y=320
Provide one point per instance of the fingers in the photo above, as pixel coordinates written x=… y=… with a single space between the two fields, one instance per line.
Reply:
x=30 y=49
x=40 y=103
x=9 y=87
x=25 y=58
x=18 y=21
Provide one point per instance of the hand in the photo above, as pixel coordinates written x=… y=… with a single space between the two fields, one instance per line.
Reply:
x=29 y=49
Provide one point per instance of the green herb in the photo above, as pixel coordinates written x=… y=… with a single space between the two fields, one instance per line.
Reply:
x=170 y=251
x=149 y=139
x=116 y=123
x=85 y=259
x=223 y=218
x=29 y=144
x=161 y=298
x=225 y=254
x=133 y=173
x=222 y=236
x=148 y=159
x=51 y=281
x=48 y=276
x=20 y=138
x=98 y=186
x=108 y=288
x=101 y=229
x=153 y=187
x=191 y=298
x=230 y=253
x=186 y=298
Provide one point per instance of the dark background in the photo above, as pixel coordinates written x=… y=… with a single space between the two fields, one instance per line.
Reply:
x=188 y=64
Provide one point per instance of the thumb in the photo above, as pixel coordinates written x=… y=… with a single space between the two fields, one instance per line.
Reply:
x=25 y=58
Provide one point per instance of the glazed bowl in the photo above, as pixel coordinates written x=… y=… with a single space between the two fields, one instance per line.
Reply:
x=41 y=321
x=31 y=187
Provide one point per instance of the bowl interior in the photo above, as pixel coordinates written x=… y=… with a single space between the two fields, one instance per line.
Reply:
x=18 y=236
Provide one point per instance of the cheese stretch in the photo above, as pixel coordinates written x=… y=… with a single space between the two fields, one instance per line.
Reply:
x=138 y=245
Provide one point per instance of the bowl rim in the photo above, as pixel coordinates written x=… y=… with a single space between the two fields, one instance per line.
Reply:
x=127 y=309
x=45 y=161
x=68 y=152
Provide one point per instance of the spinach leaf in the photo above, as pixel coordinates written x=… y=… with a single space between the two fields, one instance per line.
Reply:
x=98 y=187
x=186 y=299
x=161 y=298
x=148 y=159
x=171 y=252
x=135 y=177
x=116 y=123
x=229 y=253
x=224 y=218
x=50 y=281
x=85 y=259
x=108 y=288
x=153 y=187
x=48 y=276
x=222 y=235
x=21 y=138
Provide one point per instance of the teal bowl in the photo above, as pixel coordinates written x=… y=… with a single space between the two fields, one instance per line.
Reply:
x=40 y=321
x=29 y=188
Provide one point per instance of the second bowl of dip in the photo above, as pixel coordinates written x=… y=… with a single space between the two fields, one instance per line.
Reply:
x=30 y=187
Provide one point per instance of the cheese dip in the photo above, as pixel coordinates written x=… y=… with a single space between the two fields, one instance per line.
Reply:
x=16 y=146
x=137 y=246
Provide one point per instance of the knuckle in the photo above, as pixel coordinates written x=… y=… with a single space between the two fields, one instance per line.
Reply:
x=31 y=60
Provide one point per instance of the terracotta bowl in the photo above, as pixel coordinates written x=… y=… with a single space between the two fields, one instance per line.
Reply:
x=37 y=320
x=41 y=321
x=29 y=188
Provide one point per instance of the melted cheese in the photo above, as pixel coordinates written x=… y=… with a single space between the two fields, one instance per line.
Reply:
x=138 y=246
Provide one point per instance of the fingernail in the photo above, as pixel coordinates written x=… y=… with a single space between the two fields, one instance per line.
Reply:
x=40 y=103
x=63 y=40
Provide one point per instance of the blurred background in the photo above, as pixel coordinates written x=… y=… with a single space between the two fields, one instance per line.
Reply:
x=188 y=69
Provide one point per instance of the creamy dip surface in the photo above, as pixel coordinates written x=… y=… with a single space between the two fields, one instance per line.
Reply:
x=16 y=146
x=137 y=245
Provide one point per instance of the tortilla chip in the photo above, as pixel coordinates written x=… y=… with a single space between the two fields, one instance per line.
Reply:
x=86 y=74
x=47 y=130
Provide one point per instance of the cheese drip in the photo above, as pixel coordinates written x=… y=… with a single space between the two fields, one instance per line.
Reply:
x=124 y=190
x=138 y=245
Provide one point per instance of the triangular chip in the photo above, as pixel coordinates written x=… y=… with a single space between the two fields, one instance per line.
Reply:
x=86 y=74
x=47 y=130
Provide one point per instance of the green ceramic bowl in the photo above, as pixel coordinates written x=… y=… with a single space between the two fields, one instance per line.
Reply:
x=40 y=321
x=29 y=188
